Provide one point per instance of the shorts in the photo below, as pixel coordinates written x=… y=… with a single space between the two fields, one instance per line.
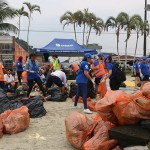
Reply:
x=145 y=78
x=137 y=75
x=54 y=80
x=97 y=80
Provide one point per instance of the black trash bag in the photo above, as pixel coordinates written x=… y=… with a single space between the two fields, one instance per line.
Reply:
x=90 y=89
x=73 y=89
x=145 y=124
x=56 y=95
x=35 y=106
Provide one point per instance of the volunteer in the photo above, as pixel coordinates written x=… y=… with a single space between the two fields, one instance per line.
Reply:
x=2 y=71
x=19 y=68
x=9 y=81
x=56 y=63
x=32 y=69
x=114 y=83
x=98 y=72
x=144 y=71
x=59 y=78
x=136 y=71
x=74 y=68
x=81 y=80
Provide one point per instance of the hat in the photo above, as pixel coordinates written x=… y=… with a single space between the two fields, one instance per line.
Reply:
x=137 y=59
x=88 y=55
x=144 y=57
x=149 y=60
x=100 y=54
x=106 y=57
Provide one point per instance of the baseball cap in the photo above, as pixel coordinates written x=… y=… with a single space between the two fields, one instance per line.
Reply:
x=88 y=55
x=100 y=54
x=106 y=57
x=144 y=57
x=137 y=59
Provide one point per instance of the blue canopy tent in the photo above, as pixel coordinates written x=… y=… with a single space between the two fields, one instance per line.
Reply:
x=64 y=47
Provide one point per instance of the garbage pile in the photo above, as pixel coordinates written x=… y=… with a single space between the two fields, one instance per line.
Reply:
x=116 y=109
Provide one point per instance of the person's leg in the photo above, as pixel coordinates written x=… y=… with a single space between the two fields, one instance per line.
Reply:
x=39 y=82
x=49 y=81
x=30 y=84
x=77 y=95
x=84 y=94
x=2 y=85
x=19 y=74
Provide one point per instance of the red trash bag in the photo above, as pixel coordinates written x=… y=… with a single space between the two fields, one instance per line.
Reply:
x=1 y=127
x=102 y=89
x=146 y=90
x=104 y=105
x=15 y=121
x=91 y=105
x=100 y=140
x=79 y=128
x=131 y=111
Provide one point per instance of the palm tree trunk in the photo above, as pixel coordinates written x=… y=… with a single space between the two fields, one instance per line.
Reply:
x=83 y=33
x=28 y=33
x=137 y=39
x=118 y=49
x=126 y=54
x=75 y=31
x=88 y=36
x=19 y=37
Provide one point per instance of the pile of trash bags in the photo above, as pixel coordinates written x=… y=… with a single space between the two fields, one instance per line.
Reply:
x=115 y=109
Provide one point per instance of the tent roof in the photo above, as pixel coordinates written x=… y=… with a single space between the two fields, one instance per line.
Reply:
x=64 y=47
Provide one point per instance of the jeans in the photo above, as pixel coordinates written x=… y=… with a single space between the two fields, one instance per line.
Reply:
x=39 y=82
x=82 y=91
x=2 y=85
x=19 y=74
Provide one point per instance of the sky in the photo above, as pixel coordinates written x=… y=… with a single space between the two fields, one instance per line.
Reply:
x=52 y=10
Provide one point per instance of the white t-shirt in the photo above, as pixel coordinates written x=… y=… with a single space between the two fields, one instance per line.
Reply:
x=60 y=74
x=8 y=78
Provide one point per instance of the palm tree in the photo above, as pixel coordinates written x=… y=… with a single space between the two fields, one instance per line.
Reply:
x=72 y=18
x=20 y=12
x=6 y=13
x=31 y=9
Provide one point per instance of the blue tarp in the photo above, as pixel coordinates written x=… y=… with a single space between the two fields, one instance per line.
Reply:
x=64 y=47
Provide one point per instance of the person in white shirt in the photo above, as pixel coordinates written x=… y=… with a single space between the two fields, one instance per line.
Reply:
x=9 y=80
x=59 y=78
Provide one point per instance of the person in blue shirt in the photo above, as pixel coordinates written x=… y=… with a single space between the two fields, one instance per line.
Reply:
x=114 y=84
x=144 y=71
x=32 y=69
x=19 y=68
x=136 y=71
x=81 y=80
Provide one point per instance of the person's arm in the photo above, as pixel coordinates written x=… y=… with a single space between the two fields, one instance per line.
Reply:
x=86 y=73
x=140 y=70
x=5 y=79
x=134 y=71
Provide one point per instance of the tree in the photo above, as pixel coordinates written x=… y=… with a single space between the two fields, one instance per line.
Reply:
x=6 y=12
x=72 y=18
x=20 y=12
x=31 y=9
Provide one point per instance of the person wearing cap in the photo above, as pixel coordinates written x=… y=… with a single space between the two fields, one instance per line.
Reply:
x=136 y=71
x=81 y=80
x=19 y=68
x=74 y=67
x=114 y=84
x=98 y=72
x=2 y=72
x=144 y=71
x=56 y=63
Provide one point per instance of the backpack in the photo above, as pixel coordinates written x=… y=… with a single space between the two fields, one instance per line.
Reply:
x=119 y=73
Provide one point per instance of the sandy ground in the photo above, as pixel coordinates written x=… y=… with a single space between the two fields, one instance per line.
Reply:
x=46 y=133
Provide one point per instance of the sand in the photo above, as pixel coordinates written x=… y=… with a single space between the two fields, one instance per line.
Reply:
x=46 y=133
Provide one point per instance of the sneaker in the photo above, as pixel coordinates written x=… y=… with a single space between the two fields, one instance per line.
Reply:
x=87 y=111
x=77 y=107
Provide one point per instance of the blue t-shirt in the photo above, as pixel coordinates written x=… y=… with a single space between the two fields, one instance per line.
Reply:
x=81 y=78
x=19 y=66
x=110 y=66
x=136 y=67
x=144 y=68
x=35 y=74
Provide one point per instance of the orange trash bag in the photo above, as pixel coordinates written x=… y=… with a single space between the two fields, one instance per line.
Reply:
x=79 y=128
x=102 y=89
x=131 y=111
x=136 y=94
x=91 y=105
x=146 y=90
x=1 y=128
x=15 y=121
x=100 y=140
x=104 y=105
